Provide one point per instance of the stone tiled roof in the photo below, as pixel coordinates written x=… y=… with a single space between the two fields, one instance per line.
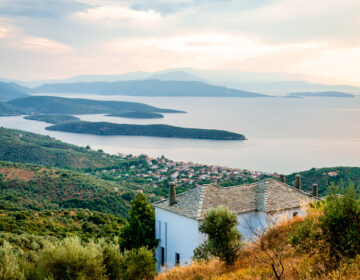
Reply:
x=268 y=195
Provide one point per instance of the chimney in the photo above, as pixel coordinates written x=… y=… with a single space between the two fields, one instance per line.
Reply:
x=315 y=190
x=172 y=194
x=283 y=178
x=298 y=181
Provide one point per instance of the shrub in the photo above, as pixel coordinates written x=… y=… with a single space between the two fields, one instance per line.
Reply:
x=340 y=224
x=68 y=259
x=9 y=265
x=224 y=240
x=138 y=264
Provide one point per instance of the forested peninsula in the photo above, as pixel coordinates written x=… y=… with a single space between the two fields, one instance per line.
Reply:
x=155 y=130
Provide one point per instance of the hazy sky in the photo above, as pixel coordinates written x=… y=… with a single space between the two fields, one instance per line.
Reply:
x=60 y=38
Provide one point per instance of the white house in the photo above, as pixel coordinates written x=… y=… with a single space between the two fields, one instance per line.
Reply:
x=178 y=218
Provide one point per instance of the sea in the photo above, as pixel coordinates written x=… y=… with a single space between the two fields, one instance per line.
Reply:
x=284 y=135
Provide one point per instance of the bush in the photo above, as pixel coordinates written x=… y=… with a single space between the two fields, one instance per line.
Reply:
x=340 y=224
x=9 y=264
x=68 y=259
x=138 y=264
x=331 y=232
x=135 y=264
x=224 y=240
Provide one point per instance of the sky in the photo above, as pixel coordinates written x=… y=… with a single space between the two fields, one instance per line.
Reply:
x=55 y=39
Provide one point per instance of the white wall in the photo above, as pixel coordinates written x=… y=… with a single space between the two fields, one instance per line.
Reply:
x=177 y=234
x=258 y=221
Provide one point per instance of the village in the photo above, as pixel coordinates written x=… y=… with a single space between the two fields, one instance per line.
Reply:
x=146 y=174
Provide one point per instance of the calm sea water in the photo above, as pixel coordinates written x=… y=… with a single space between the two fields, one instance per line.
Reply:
x=284 y=134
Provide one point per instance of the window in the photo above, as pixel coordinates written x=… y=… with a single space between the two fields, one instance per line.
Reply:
x=162 y=256
x=295 y=214
x=177 y=258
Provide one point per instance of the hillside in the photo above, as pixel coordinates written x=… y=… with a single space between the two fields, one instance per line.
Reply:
x=60 y=223
x=10 y=91
x=61 y=105
x=8 y=110
x=25 y=147
x=156 y=130
x=36 y=187
x=325 y=177
x=146 y=88
x=53 y=119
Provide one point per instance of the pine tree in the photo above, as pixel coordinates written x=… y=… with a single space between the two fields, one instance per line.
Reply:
x=139 y=230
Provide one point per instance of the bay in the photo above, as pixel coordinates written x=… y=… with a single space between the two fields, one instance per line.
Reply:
x=284 y=134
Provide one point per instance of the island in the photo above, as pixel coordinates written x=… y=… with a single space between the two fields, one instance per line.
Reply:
x=155 y=130
x=321 y=94
x=53 y=119
x=137 y=115
x=77 y=106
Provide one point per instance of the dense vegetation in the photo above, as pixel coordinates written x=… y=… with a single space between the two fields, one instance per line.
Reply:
x=147 y=88
x=53 y=119
x=342 y=177
x=71 y=259
x=35 y=245
x=59 y=223
x=25 y=147
x=7 y=110
x=36 y=187
x=157 y=130
x=60 y=105
x=137 y=115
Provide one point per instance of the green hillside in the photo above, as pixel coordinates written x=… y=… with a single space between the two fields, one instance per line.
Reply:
x=26 y=147
x=36 y=187
x=325 y=177
x=60 y=223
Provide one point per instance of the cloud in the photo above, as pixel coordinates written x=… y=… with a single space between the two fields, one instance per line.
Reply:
x=113 y=36
x=114 y=13
x=44 y=44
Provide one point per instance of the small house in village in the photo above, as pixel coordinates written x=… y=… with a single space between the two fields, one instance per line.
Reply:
x=177 y=218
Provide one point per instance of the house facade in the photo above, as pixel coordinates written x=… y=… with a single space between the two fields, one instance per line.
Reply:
x=257 y=205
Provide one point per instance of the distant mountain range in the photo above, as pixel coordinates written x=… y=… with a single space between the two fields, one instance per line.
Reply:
x=265 y=83
x=146 y=88
x=11 y=90
x=178 y=82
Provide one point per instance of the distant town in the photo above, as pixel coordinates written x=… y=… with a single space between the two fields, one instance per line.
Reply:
x=147 y=174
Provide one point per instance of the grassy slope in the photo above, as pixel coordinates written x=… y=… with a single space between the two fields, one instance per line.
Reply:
x=253 y=263
x=36 y=187
x=26 y=147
